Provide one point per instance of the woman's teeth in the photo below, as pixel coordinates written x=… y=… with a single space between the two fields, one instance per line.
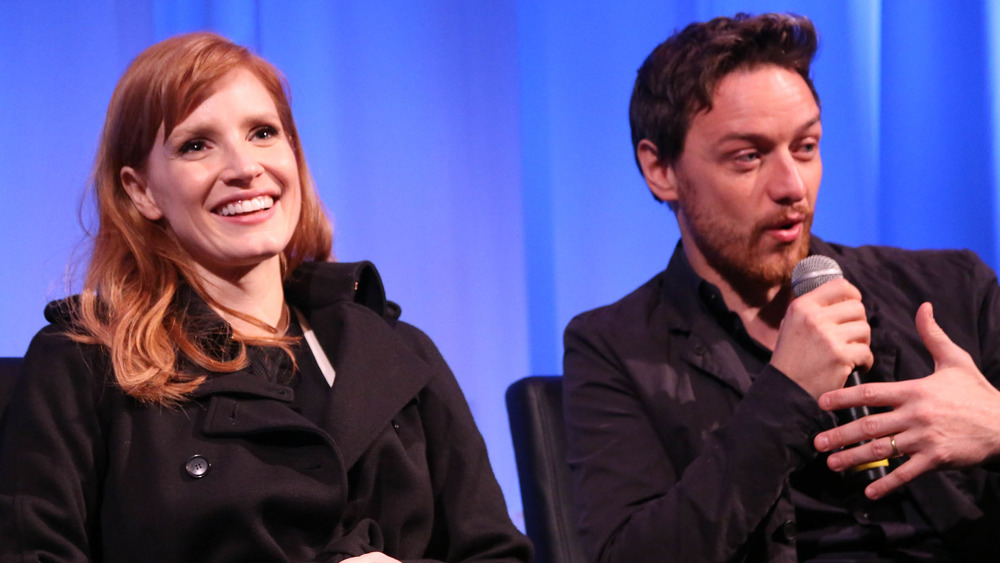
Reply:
x=246 y=206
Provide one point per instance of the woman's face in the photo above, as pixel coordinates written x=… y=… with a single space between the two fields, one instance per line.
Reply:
x=225 y=181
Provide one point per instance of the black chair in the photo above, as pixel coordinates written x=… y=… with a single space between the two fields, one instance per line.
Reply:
x=534 y=405
x=9 y=368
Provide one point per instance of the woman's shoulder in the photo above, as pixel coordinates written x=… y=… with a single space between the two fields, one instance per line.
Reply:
x=60 y=350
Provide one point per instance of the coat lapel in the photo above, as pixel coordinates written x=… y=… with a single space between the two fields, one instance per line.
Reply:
x=715 y=356
x=884 y=348
x=709 y=349
x=377 y=375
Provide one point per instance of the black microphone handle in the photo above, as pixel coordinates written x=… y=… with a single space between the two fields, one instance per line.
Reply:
x=810 y=273
x=866 y=472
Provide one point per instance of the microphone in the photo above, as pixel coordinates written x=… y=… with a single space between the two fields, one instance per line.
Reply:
x=812 y=272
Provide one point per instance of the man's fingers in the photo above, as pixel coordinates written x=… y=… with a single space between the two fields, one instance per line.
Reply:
x=868 y=394
x=942 y=349
x=867 y=428
x=913 y=468
x=881 y=448
x=874 y=450
x=834 y=291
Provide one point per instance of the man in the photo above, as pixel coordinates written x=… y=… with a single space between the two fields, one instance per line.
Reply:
x=691 y=404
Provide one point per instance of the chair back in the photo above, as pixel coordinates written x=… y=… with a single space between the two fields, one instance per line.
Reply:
x=9 y=368
x=534 y=405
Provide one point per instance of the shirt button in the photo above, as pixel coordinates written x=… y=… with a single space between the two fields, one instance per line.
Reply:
x=197 y=466
x=786 y=532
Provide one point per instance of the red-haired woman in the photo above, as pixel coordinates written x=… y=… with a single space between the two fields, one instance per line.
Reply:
x=219 y=391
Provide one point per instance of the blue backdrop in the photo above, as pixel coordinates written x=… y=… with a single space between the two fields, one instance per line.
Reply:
x=479 y=154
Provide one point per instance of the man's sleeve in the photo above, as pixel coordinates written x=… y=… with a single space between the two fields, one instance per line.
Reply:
x=635 y=504
x=989 y=319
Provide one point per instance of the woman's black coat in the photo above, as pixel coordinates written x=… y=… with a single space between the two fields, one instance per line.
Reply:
x=235 y=474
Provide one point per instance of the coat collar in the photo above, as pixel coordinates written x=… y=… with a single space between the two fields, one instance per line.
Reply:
x=378 y=374
x=711 y=348
x=314 y=285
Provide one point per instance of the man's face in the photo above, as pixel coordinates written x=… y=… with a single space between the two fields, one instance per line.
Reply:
x=747 y=179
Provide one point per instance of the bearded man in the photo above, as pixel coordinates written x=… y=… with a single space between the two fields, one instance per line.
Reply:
x=692 y=403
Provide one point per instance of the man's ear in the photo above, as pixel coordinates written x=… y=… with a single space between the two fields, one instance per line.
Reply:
x=660 y=177
x=140 y=194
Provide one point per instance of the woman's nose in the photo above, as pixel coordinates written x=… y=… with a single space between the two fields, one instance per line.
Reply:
x=241 y=165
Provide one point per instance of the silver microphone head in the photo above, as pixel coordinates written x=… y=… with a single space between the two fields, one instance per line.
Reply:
x=812 y=272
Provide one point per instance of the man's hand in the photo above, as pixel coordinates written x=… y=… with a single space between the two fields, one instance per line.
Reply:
x=823 y=337
x=374 y=557
x=949 y=419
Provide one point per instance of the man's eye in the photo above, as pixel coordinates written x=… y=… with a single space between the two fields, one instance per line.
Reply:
x=192 y=146
x=808 y=149
x=748 y=157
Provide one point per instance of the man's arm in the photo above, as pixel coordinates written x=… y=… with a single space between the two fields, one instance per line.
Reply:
x=949 y=419
x=708 y=493
x=636 y=503
x=643 y=495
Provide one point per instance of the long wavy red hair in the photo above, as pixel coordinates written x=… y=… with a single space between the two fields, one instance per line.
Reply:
x=128 y=299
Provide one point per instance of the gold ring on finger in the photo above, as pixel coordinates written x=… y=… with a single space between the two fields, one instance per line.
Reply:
x=892 y=442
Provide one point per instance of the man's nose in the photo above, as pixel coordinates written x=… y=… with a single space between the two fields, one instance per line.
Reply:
x=785 y=182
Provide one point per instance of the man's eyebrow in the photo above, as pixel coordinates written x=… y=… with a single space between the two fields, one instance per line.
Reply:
x=758 y=138
x=809 y=124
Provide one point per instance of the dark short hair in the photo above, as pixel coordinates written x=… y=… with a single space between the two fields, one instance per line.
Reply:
x=677 y=79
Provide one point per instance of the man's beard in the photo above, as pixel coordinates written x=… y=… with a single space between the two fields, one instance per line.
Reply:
x=738 y=257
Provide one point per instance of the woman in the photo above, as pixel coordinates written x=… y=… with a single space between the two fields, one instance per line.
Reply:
x=217 y=392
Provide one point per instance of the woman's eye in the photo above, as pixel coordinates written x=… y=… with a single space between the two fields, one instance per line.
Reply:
x=192 y=146
x=265 y=132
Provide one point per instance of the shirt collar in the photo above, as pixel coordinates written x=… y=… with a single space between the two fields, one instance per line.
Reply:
x=710 y=299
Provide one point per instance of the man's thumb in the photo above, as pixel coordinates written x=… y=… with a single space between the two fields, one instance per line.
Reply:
x=938 y=343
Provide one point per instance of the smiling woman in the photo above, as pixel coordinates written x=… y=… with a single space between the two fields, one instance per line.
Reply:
x=225 y=181
x=183 y=406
